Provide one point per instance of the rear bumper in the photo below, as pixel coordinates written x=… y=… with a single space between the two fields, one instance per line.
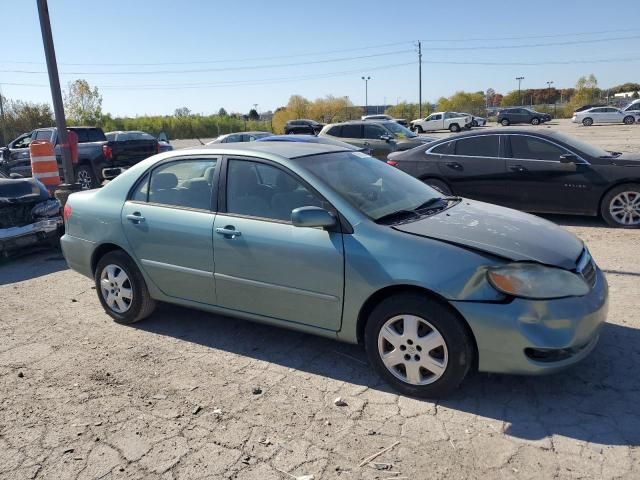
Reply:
x=537 y=336
x=14 y=238
x=78 y=254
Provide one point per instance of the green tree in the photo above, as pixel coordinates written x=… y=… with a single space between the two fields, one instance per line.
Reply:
x=465 y=102
x=83 y=104
x=253 y=114
x=222 y=112
x=182 y=112
x=21 y=117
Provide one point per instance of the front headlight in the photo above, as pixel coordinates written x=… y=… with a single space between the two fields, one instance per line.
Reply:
x=48 y=208
x=531 y=280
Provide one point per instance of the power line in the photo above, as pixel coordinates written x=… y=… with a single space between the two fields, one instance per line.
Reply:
x=535 y=45
x=550 y=62
x=527 y=37
x=225 y=69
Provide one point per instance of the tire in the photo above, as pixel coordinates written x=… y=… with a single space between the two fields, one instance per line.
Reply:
x=474 y=123
x=450 y=360
x=504 y=122
x=85 y=177
x=419 y=129
x=612 y=207
x=438 y=185
x=454 y=128
x=535 y=121
x=139 y=305
x=629 y=120
x=587 y=122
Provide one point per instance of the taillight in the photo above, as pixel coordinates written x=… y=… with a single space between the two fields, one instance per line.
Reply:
x=66 y=213
x=393 y=163
x=107 y=151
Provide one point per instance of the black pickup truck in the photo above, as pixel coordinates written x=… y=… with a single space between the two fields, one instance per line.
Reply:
x=98 y=158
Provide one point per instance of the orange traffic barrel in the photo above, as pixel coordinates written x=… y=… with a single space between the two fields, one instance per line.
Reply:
x=44 y=166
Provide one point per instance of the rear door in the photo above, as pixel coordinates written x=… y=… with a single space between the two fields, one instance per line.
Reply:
x=168 y=222
x=474 y=168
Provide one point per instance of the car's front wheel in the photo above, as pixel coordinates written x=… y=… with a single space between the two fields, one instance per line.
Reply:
x=419 y=129
x=587 y=122
x=418 y=345
x=629 y=120
x=621 y=206
x=535 y=121
x=454 y=128
x=121 y=288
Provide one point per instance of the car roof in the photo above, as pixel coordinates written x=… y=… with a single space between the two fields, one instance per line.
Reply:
x=283 y=149
x=502 y=131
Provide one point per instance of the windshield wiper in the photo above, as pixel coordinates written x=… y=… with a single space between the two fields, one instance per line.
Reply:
x=429 y=203
x=397 y=216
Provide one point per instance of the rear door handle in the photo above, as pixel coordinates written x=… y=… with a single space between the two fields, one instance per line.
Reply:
x=454 y=165
x=518 y=168
x=229 y=231
x=135 y=218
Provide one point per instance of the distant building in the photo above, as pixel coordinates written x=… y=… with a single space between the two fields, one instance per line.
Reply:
x=623 y=94
x=374 y=109
x=266 y=116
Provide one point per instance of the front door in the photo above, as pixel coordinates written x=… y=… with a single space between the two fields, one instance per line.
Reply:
x=168 y=222
x=433 y=122
x=266 y=266
x=543 y=183
x=372 y=139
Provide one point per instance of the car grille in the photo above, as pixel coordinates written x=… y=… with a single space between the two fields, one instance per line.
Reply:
x=587 y=268
x=16 y=214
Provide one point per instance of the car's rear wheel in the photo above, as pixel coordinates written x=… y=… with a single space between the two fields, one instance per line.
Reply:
x=504 y=122
x=85 y=177
x=535 y=121
x=438 y=185
x=621 y=206
x=587 y=122
x=418 y=345
x=454 y=128
x=419 y=129
x=474 y=123
x=628 y=120
x=121 y=288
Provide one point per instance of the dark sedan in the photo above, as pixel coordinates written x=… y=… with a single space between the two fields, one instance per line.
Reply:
x=522 y=115
x=544 y=172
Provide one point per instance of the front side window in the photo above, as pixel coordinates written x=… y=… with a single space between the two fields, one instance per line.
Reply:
x=260 y=190
x=184 y=183
x=373 y=132
x=534 y=149
x=22 y=142
x=484 y=146
x=436 y=117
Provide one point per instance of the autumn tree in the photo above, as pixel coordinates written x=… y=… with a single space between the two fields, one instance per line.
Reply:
x=21 y=117
x=82 y=104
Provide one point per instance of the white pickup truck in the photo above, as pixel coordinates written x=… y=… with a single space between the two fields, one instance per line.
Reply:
x=442 y=121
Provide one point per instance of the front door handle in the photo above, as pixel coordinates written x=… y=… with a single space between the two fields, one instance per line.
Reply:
x=454 y=165
x=229 y=231
x=135 y=218
x=518 y=168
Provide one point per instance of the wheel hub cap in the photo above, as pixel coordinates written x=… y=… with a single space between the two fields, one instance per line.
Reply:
x=116 y=289
x=412 y=349
x=625 y=208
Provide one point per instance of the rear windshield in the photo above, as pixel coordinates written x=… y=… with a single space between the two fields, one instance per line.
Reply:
x=86 y=135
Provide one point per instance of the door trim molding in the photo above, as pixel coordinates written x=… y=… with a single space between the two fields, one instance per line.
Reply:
x=176 y=268
x=256 y=283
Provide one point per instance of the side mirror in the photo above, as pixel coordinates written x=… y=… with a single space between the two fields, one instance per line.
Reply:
x=15 y=176
x=312 y=217
x=386 y=138
x=568 y=158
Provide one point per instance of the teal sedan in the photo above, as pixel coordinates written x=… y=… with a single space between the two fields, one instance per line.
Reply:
x=333 y=242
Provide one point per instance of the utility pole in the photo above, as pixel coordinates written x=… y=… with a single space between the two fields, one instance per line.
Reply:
x=56 y=95
x=419 y=79
x=519 y=79
x=366 y=94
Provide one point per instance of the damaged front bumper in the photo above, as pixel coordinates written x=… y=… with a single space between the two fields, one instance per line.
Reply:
x=14 y=238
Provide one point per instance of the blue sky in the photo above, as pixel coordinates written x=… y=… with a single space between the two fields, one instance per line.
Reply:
x=235 y=54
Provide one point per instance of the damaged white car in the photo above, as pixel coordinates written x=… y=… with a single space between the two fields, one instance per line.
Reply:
x=28 y=215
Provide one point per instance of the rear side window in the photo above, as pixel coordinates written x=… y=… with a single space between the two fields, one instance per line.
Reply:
x=185 y=183
x=534 y=149
x=43 y=135
x=335 y=131
x=352 y=131
x=445 y=148
x=484 y=146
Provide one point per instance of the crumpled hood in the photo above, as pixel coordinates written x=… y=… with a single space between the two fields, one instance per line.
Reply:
x=501 y=231
x=20 y=190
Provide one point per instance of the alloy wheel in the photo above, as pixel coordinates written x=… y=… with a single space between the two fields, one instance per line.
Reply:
x=412 y=349
x=84 y=179
x=116 y=288
x=625 y=208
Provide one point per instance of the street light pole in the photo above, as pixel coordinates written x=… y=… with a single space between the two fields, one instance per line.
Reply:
x=549 y=83
x=419 y=79
x=519 y=79
x=56 y=94
x=366 y=94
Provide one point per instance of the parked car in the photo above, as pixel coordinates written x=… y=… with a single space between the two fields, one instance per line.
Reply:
x=128 y=148
x=588 y=106
x=380 y=137
x=510 y=116
x=401 y=121
x=605 y=115
x=28 y=216
x=239 y=137
x=163 y=142
x=93 y=166
x=451 y=121
x=632 y=107
x=544 y=172
x=475 y=120
x=329 y=241
x=313 y=139
x=302 y=126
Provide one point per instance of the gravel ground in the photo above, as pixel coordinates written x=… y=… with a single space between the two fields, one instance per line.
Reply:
x=191 y=395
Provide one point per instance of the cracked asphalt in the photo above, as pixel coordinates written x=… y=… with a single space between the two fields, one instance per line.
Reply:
x=176 y=396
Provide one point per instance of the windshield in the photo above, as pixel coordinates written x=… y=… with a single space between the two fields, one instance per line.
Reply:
x=371 y=186
x=581 y=145
x=399 y=131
